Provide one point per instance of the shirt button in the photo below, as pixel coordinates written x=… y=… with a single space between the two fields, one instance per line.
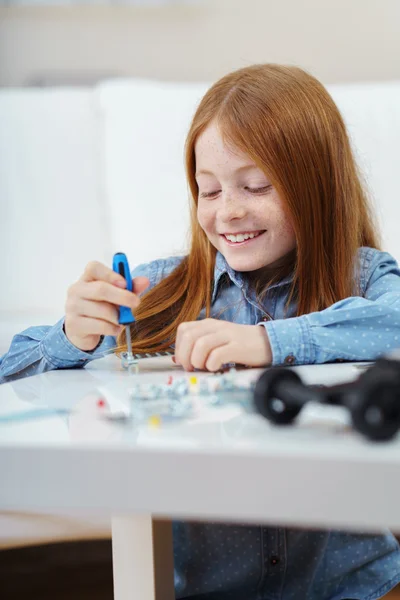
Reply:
x=265 y=319
x=274 y=560
x=290 y=359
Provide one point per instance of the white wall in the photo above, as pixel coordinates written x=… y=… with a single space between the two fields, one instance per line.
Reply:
x=338 y=40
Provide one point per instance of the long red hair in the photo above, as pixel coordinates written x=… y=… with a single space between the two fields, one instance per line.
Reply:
x=287 y=123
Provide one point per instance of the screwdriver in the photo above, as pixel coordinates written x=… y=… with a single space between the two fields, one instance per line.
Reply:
x=125 y=316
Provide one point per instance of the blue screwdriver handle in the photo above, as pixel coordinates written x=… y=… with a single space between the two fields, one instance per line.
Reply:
x=121 y=266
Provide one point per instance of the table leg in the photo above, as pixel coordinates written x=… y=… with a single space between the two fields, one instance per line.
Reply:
x=143 y=564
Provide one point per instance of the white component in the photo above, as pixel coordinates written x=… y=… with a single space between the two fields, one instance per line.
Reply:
x=241 y=237
x=214 y=383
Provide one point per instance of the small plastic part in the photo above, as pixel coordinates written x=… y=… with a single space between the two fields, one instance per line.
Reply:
x=193 y=385
x=101 y=403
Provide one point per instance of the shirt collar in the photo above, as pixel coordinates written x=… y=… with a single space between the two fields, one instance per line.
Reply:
x=222 y=268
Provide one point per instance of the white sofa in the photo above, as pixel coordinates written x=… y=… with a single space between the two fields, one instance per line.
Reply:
x=86 y=172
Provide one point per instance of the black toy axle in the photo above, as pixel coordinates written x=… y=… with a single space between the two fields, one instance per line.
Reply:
x=373 y=399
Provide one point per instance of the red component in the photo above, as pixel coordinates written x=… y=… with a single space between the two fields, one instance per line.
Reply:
x=101 y=403
x=169 y=381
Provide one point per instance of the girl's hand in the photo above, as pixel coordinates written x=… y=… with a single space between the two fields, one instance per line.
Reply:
x=208 y=344
x=91 y=309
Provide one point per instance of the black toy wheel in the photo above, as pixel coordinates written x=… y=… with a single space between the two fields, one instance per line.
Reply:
x=267 y=400
x=376 y=410
x=384 y=370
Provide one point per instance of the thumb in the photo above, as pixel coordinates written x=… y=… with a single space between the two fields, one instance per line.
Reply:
x=140 y=284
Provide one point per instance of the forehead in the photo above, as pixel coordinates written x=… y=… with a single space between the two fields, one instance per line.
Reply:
x=212 y=150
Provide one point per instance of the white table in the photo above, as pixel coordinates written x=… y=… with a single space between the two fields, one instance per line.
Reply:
x=318 y=473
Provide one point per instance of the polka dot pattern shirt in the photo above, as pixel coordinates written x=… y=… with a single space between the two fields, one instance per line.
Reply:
x=217 y=561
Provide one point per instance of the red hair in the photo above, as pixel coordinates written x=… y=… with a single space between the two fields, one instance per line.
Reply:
x=287 y=123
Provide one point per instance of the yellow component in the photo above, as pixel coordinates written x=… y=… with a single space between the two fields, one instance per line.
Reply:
x=193 y=380
x=154 y=421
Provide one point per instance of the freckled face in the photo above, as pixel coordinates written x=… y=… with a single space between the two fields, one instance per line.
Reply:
x=238 y=209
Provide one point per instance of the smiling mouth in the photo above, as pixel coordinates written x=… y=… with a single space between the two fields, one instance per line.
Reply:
x=239 y=239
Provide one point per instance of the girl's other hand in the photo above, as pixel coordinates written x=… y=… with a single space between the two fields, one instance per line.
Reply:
x=91 y=309
x=209 y=343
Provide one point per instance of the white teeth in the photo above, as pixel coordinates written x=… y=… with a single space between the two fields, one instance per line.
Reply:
x=241 y=237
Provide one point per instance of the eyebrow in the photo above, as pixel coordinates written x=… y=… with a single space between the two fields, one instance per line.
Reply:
x=244 y=168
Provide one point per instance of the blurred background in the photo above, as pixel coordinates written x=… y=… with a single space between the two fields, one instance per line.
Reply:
x=78 y=41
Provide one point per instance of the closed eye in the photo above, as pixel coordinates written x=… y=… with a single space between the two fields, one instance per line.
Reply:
x=209 y=194
x=259 y=190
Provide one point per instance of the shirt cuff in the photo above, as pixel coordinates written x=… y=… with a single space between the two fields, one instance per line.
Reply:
x=60 y=352
x=291 y=341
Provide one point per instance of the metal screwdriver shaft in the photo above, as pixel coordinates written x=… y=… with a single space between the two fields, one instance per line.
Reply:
x=129 y=354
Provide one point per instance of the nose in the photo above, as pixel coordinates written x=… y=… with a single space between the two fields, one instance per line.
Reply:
x=231 y=207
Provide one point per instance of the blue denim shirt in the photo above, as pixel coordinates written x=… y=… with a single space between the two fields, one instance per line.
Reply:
x=215 y=561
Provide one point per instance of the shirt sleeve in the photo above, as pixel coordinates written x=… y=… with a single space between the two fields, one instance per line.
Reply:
x=46 y=347
x=354 y=329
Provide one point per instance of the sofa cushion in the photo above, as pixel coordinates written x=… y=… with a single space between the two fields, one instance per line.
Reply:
x=52 y=217
x=145 y=125
x=372 y=115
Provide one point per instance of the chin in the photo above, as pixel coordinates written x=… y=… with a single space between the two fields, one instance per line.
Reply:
x=244 y=265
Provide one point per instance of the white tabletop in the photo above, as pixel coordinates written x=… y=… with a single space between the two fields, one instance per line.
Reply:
x=224 y=464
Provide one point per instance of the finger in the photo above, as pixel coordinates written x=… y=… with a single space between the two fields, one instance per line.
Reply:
x=90 y=326
x=98 y=310
x=204 y=325
x=186 y=335
x=203 y=347
x=218 y=357
x=140 y=284
x=103 y=291
x=96 y=271
x=195 y=329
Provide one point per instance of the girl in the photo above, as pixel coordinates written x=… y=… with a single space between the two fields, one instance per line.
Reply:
x=284 y=268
